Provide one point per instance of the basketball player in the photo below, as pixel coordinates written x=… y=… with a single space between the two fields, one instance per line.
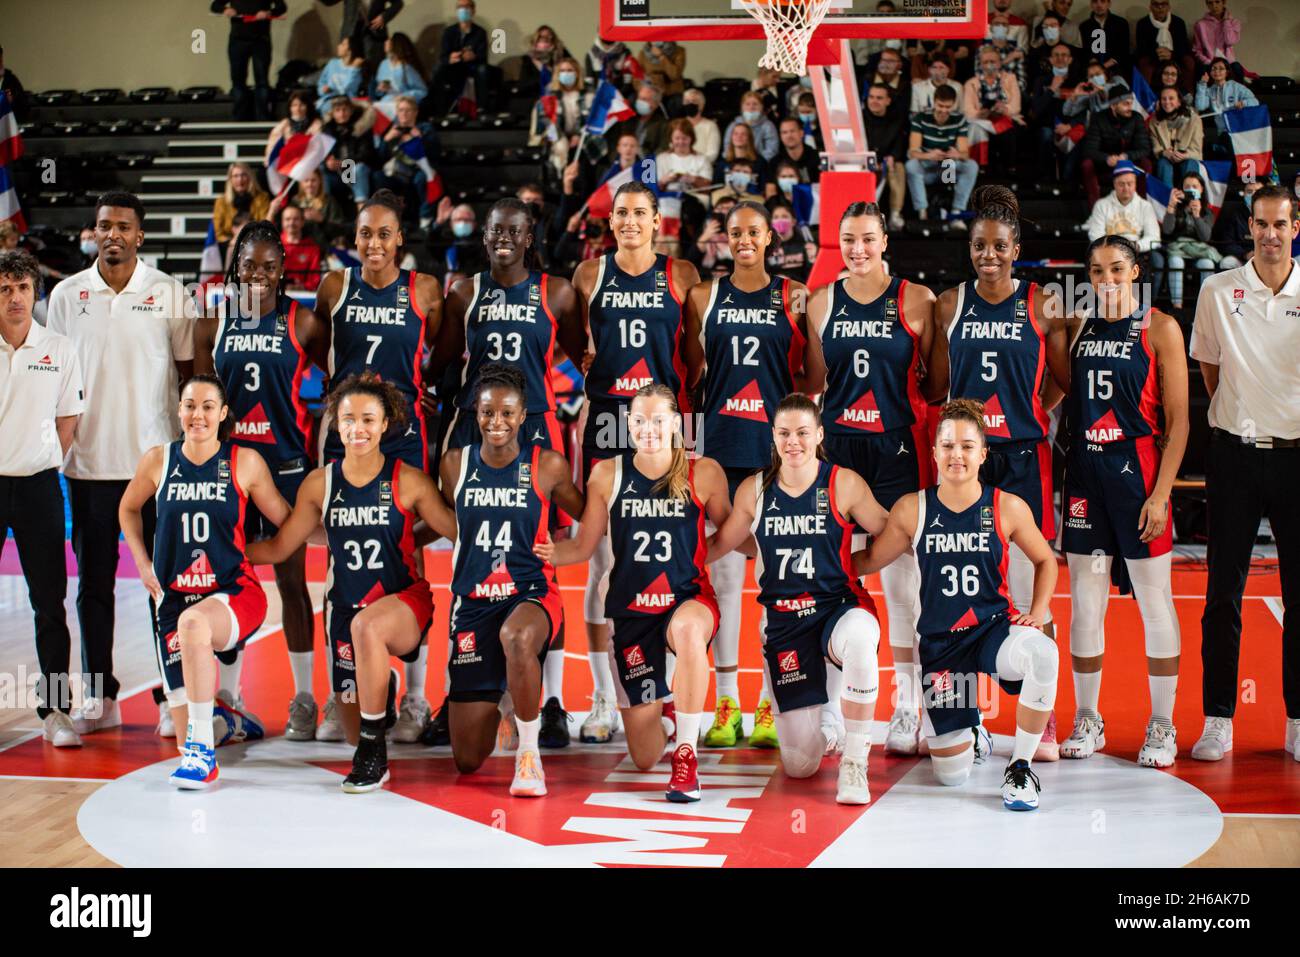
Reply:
x=377 y=602
x=383 y=319
x=1127 y=364
x=260 y=344
x=632 y=303
x=1000 y=337
x=873 y=333
x=961 y=530
x=749 y=331
x=212 y=600
x=507 y=603
x=653 y=501
x=801 y=511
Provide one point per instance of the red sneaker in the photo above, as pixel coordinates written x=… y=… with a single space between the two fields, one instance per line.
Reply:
x=669 y=718
x=684 y=786
x=1048 y=748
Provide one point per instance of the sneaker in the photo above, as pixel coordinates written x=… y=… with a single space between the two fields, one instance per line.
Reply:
x=59 y=731
x=726 y=726
x=198 y=770
x=369 y=766
x=529 y=780
x=1292 y=736
x=412 y=719
x=983 y=743
x=833 y=732
x=437 y=733
x=764 y=733
x=852 y=787
x=896 y=222
x=684 y=785
x=554 y=732
x=1048 y=748
x=601 y=723
x=166 y=727
x=1020 y=787
x=96 y=714
x=904 y=733
x=1216 y=740
x=1160 y=747
x=1089 y=735
x=331 y=726
x=302 y=718
x=668 y=718
x=232 y=723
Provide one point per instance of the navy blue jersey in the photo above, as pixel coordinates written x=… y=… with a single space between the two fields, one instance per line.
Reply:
x=369 y=535
x=514 y=325
x=963 y=559
x=636 y=325
x=500 y=515
x=873 y=360
x=997 y=354
x=262 y=365
x=752 y=350
x=805 y=551
x=199 y=539
x=1115 y=392
x=658 y=542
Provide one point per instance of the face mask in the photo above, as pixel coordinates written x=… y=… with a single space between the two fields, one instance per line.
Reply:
x=1097 y=79
x=787 y=183
x=691 y=109
x=568 y=78
x=1193 y=193
x=938 y=77
x=738 y=181
x=807 y=119
x=750 y=116
x=805 y=82
x=989 y=68
x=1051 y=34
x=643 y=107
x=1247 y=198
x=89 y=248
x=464 y=14
x=461 y=228
x=1060 y=70
x=998 y=31
x=783 y=227
x=893 y=44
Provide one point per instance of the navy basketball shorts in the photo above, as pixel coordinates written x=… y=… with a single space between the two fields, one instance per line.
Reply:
x=950 y=668
x=288 y=477
x=796 y=652
x=477 y=661
x=338 y=634
x=1104 y=495
x=1024 y=469
x=639 y=652
x=410 y=446
x=246 y=602
x=891 y=463
x=539 y=428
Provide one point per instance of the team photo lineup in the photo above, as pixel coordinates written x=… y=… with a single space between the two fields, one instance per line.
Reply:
x=812 y=439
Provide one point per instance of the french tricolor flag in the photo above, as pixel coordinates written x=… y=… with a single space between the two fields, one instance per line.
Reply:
x=1216 y=174
x=414 y=148
x=10 y=209
x=385 y=116
x=806 y=200
x=1144 y=98
x=11 y=141
x=210 y=265
x=296 y=158
x=607 y=109
x=1252 y=141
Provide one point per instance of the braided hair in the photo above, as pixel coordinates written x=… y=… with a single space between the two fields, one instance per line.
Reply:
x=257 y=231
x=997 y=204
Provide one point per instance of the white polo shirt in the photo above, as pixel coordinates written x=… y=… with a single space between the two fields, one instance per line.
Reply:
x=127 y=344
x=1253 y=337
x=40 y=381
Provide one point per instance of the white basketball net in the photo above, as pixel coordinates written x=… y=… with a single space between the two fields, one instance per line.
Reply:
x=789 y=25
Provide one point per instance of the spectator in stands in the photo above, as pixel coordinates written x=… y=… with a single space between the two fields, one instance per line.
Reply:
x=1113 y=137
x=1046 y=34
x=1185 y=237
x=1217 y=93
x=1214 y=35
x=741 y=181
x=888 y=136
x=250 y=40
x=1160 y=38
x=13 y=88
x=243 y=194
x=792 y=252
x=400 y=73
x=1058 y=133
x=302 y=118
x=999 y=38
x=651 y=123
x=917 y=57
x=626 y=152
x=1123 y=212
x=780 y=185
x=1171 y=74
x=767 y=85
x=1176 y=137
x=992 y=97
x=585 y=237
x=805 y=109
x=866 y=50
x=681 y=168
x=366 y=21
x=302 y=255
x=537 y=65
x=740 y=146
x=1069 y=30
x=614 y=62
x=938 y=136
x=1017 y=27
x=1231 y=235
x=940 y=73
x=712 y=253
x=464 y=56
x=457 y=242
x=766 y=140
x=558 y=117
x=1094 y=95
x=794 y=149
x=342 y=76
x=664 y=64
x=1105 y=35
x=87 y=245
x=889 y=71
x=401 y=173
x=321 y=210
x=533 y=195
x=353 y=158
x=708 y=138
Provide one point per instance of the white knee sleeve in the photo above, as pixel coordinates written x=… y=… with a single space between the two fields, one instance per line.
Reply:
x=1154 y=593
x=952 y=770
x=1089 y=595
x=1020 y=580
x=593 y=597
x=1030 y=656
x=853 y=643
x=801 y=740
x=901 y=580
x=728 y=577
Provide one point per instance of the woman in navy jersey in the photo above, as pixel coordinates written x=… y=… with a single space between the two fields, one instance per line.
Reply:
x=378 y=604
x=961 y=531
x=749 y=332
x=801 y=512
x=1128 y=370
x=212 y=600
x=1002 y=337
x=653 y=503
x=260 y=345
x=507 y=609
x=873 y=333
x=633 y=302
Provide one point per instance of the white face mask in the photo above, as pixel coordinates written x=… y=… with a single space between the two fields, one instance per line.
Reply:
x=89 y=247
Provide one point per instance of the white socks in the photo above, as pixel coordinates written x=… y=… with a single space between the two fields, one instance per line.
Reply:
x=601 y=675
x=415 y=672
x=528 y=733
x=1163 y=690
x=688 y=729
x=200 y=726
x=729 y=684
x=300 y=663
x=1026 y=744
x=553 y=676
x=857 y=738
x=1087 y=691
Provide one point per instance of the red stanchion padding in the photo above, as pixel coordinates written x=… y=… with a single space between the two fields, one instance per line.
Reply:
x=837 y=192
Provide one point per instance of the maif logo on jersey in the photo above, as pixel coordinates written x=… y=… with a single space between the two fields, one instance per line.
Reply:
x=803 y=605
x=746 y=404
x=631 y=381
x=198 y=578
x=1104 y=430
x=497 y=586
x=995 y=420
x=254 y=427
x=863 y=414
x=655 y=598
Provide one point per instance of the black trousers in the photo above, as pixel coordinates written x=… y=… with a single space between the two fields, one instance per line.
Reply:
x=32 y=506
x=95 y=532
x=1242 y=485
x=448 y=83
x=241 y=52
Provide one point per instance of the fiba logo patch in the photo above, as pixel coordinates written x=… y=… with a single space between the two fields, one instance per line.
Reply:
x=787 y=661
x=343 y=651
x=465 y=643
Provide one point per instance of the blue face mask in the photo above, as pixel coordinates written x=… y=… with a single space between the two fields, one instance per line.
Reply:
x=568 y=78
x=462 y=228
x=787 y=183
x=1051 y=34
x=464 y=14
x=1060 y=70
x=751 y=116
x=738 y=181
x=998 y=31
x=643 y=107
x=1193 y=193
x=805 y=82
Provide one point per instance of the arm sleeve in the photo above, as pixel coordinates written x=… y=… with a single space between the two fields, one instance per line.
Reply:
x=71 y=395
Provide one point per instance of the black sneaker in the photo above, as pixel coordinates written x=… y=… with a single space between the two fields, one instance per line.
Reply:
x=554 y=732
x=390 y=710
x=369 y=765
x=437 y=733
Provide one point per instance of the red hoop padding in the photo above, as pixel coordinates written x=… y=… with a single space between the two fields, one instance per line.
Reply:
x=823 y=51
x=837 y=192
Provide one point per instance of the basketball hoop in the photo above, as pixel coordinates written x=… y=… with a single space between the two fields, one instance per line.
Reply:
x=789 y=25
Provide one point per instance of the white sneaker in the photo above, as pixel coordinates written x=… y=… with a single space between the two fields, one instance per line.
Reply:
x=529 y=780
x=1293 y=737
x=852 y=786
x=166 y=727
x=302 y=718
x=331 y=726
x=904 y=733
x=59 y=731
x=413 y=715
x=1088 y=736
x=1215 y=741
x=896 y=222
x=602 y=723
x=96 y=714
x=983 y=743
x=1020 y=787
x=834 y=734
x=1160 y=747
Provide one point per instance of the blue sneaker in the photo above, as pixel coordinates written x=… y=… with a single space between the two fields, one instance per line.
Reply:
x=231 y=724
x=198 y=770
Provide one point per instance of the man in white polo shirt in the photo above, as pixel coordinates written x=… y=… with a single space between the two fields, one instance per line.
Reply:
x=132 y=329
x=1247 y=340
x=40 y=399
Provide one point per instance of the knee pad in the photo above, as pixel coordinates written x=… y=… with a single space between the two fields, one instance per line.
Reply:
x=1030 y=656
x=1089 y=596
x=853 y=642
x=728 y=576
x=901 y=581
x=1154 y=593
x=801 y=740
x=593 y=596
x=953 y=770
